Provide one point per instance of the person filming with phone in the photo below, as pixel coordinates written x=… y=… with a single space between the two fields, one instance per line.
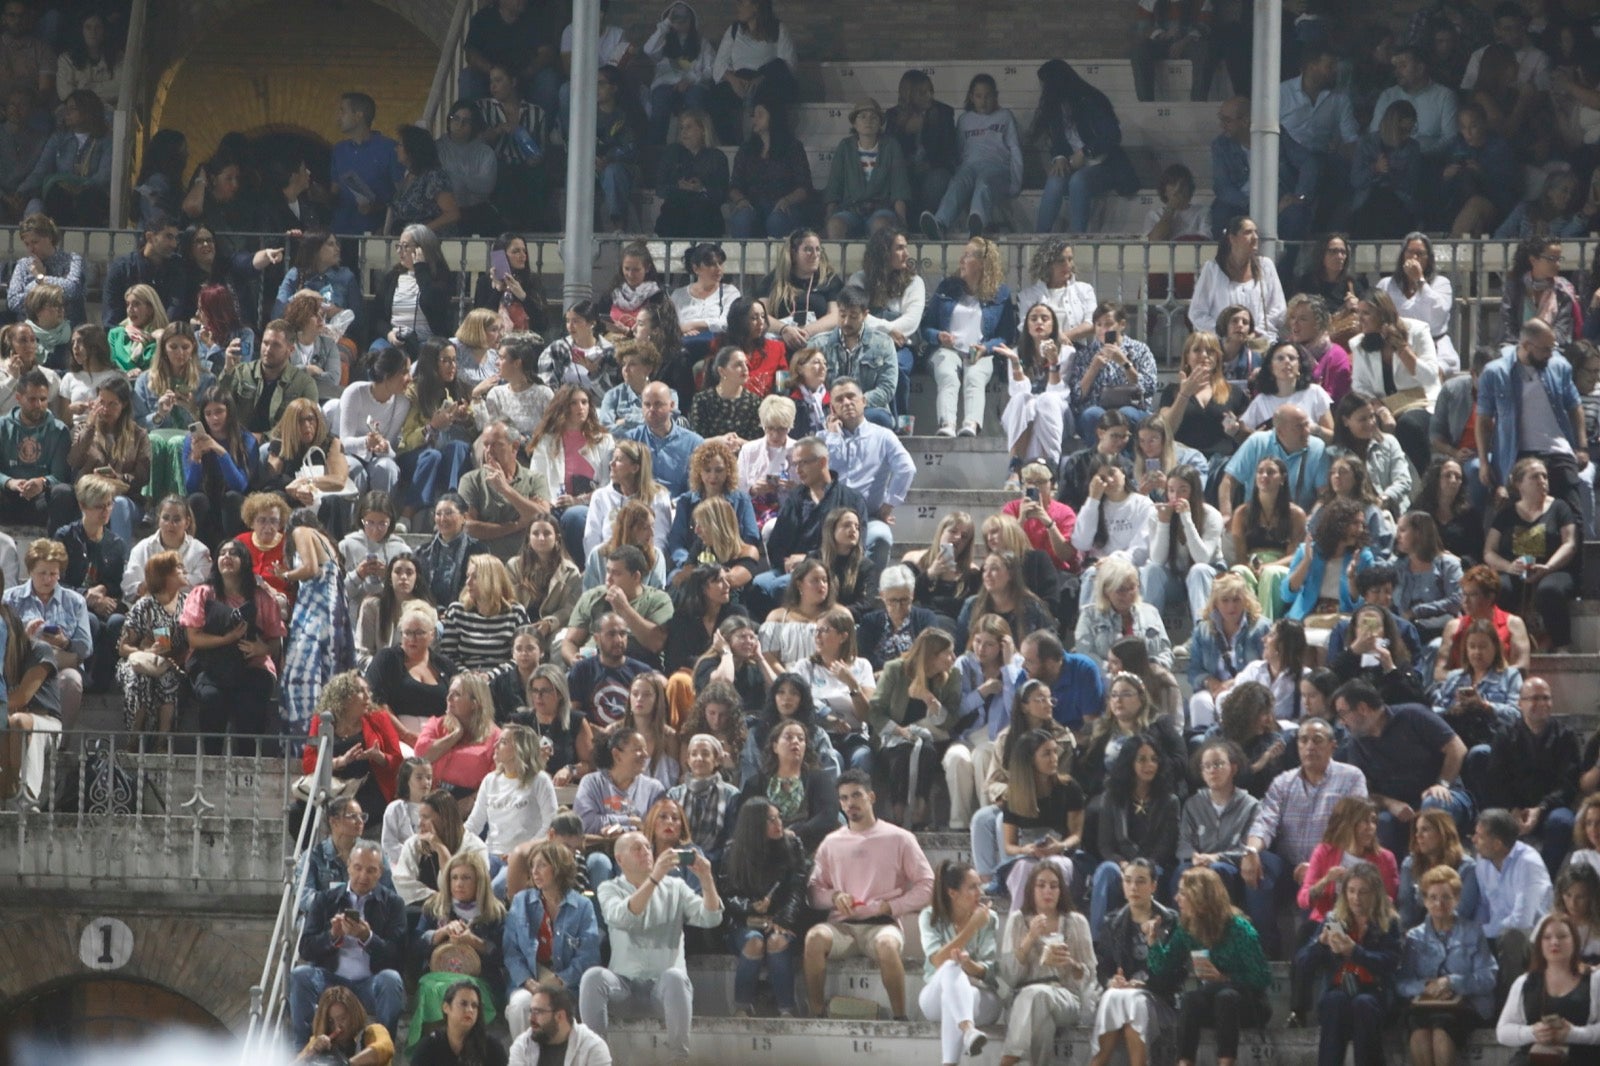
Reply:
x=1046 y=520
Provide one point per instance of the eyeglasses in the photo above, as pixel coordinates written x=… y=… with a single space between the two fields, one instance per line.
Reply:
x=415 y=632
x=355 y=816
x=542 y=690
x=1550 y=257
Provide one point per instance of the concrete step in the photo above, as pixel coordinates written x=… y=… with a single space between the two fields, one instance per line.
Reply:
x=1016 y=80
x=789 y=1042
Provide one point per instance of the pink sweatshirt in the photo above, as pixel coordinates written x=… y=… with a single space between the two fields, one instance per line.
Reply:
x=875 y=865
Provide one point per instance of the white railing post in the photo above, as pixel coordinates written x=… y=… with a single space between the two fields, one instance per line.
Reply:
x=446 y=77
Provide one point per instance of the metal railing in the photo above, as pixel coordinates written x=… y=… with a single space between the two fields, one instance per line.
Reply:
x=447 y=76
x=1149 y=279
x=127 y=125
x=269 y=996
x=176 y=814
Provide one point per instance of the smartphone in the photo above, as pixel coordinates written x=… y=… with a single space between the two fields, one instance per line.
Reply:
x=686 y=856
x=352 y=915
x=947 y=551
x=1333 y=925
x=1112 y=337
x=196 y=428
x=499 y=265
x=50 y=628
x=372 y=425
x=1032 y=493
x=1152 y=466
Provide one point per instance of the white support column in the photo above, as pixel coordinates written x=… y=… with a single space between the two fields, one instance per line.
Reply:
x=1266 y=72
x=577 y=255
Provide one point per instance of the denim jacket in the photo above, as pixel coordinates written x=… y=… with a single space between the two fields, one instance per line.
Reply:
x=1500 y=398
x=574 y=947
x=873 y=364
x=1205 y=656
x=999 y=315
x=1463 y=955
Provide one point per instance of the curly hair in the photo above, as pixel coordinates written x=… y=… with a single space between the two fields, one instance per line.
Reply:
x=703 y=456
x=993 y=268
x=1047 y=255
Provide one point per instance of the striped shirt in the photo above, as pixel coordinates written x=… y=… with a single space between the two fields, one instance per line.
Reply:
x=478 y=642
x=1295 y=812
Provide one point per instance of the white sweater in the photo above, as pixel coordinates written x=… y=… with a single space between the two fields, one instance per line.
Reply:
x=513 y=812
x=906 y=308
x=196 y=563
x=357 y=405
x=740 y=51
x=407 y=870
x=1130 y=525
x=713 y=310
x=1214 y=290
x=992 y=140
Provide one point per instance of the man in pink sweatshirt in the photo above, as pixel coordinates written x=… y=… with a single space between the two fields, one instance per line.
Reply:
x=867 y=875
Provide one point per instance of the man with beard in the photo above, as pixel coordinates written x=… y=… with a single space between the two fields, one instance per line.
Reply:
x=599 y=683
x=554 y=1039
x=1528 y=405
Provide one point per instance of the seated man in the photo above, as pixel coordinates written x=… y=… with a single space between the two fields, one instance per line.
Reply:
x=1411 y=757
x=598 y=684
x=557 y=1036
x=1514 y=892
x=1533 y=773
x=868 y=875
x=33 y=453
x=871 y=460
x=797 y=531
x=503 y=496
x=96 y=558
x=645 y=909
x=865 y=355
x=354 y=936
x=644 y=610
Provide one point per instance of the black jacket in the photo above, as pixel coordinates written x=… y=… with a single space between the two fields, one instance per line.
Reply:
x=436 y=301
x=134 y=269
x=798 y=527
x=1530 y=771
x=787 y=887
x=385 y=912
x=938 y=142
x=876 y=623
x=821 y=814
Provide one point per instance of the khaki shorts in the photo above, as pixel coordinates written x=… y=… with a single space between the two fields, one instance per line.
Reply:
x=862 y=938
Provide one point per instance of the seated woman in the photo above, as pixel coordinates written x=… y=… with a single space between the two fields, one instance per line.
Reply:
x=29 y=670
x=1285 y=377
x=1533 y=544
x=479 y=627
x=1354 y=960
x=1110 y=371
x=235 y=635
x=1375 y=652
x=290 y=467
x=406 y=674
x=967 y=320
x=769 y=192
x=1215 y=822
x=1428 y=594
x=712 y=475
x=341 y=1027
x=1557 y=1002
x=1395 y=358
x=701 y=604
x=917 y=703
x=1050 y=964
x=585 y=357
x=1129 y=655
x=1239 y=278
x=1447 y=971
x=886 y=633
x=1155 y=453
x=313 y=348
x=365 y=748
x=647 y=716
x=1357 y=437
x=1118 y=610
x=1036 y=413
x=717 y=713
x=1229 y=633
x=791 y=779
x=1246 y=719
x=1480 y=699
x=1479 y=587
x=1186 y=553
x=855 y=576
x=1217 y=946
x=1129 y=713
x=691 y=181
x=316 y=267
x=1351 y=837
x=706 y=797
x=1386 y=175
x=1084 y=143
x=114 y=446
x=220 y=463
x=789 y=632
x=462 y=919
x=990 y=173
x=1282 y=670
x=666 y=828
x=1445 y=497
x=1133 y=1010
x=440 y=836
x=464 y=1038
x=367 y=552
x=896 y=298
x=1328 y=285
x=436 y=440
x=1138 y=818
x=961 y=968
x=1577 y=896
x=613 y=800
x=1262 y=532
x=704 y=303
x=71 y=181
x=788 y=697
x=841 y=685
x=1310 y=326
x=629 y=479
x=1044 y=811
x=1319 y=582
x=946 y=573
x=988 y=691
x=1114 y=522
x=1434 y=844
x=166 y=397
x=422 y=195
x=1032 y=709
x=516 y=801
x=551 y=933
x=416 y=298
x=763 y=885
x=767 y=355
x=869 y=183
x=413 y=781
x=633 y=526
x=1005 y=592
x=1201 y=409
x=460 y=744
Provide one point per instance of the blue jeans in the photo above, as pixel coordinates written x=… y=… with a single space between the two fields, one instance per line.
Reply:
x=767 y=591
x=616 y=189
x=880 y=538
x=855 y=226
x=880 y=417
x=383 y=994
x=438 y=470
x=1555 y=836
x=985 y=830
x=902 y=386
x=975 y=189
x=780 y=969
x=1396 y=835
x=1089 y=418
x=1162 y=586
x=751 y=221
x=666 y=101
x=124 y=515
x=1344 y=1019
x=1080 y=189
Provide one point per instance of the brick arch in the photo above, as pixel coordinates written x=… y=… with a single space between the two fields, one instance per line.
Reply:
x=211 y=965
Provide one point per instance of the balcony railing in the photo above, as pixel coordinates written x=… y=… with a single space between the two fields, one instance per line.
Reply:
x=165 y=817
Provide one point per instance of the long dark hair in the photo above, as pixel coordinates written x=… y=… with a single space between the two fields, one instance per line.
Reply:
x=1266 y=383
x=755 y=862
x=308 y=251
x=1197 y=509
x=433 y=390
x=740 y=313
x=389 y=601
x=422 y=155
x=806 y=713
x=1348 y=405
x=247 y=573
x=533 y=300
x=1280 y=523
x=1099 y=461
x=475 y=1048
x=883 y=282
x=1294 y=652
x=166 y=154
x=948 y=878
x=1428 y=498
x=1120 y=778
x=306 y=518
x=1060 y=89
x=1224 y=248
x=689 y=46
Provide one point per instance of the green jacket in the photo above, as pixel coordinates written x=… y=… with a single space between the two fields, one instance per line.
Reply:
x=34 y=451
x=244 y=382
x=1238 y=955
x=854 y=191
x=890 y=698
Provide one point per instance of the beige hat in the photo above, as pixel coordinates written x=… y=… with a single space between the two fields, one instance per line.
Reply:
x=869 y=104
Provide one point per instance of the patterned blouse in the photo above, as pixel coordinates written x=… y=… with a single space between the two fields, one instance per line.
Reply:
x=713 y=416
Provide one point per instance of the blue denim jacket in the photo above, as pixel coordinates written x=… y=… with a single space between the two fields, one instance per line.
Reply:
x=1500 y=398
x=1205 y=650
x=573 y=949
x=1409 y=901
x=999 y=314
x=1463 y=955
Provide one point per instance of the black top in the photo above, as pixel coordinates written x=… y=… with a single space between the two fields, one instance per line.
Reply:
x=434 y=1049
x=1201 y=427
x=393 y=685
x=1063 y=799
x=811 y=297
x=1539 y=538
x=1405 y=758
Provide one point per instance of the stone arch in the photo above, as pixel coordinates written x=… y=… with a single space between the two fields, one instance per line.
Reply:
x=232 y=70
x=101 y=1009
x=207 y=959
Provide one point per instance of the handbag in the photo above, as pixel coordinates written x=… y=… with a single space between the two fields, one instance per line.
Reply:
x=149 y=664
x=305 y=787
x=1120 y=396
x=455 y=958
x=1406 y=400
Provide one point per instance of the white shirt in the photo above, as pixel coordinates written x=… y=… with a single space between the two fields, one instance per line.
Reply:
x=1533 y=68
x=905 y=309
x=966 y=322
x=358 y=405
x=1073 y=303
x=1312 y=400
x=196 y=563
x=1214 y=290
x=512 y=812
x=712 y=310
x=403 y=311
x=757 y=459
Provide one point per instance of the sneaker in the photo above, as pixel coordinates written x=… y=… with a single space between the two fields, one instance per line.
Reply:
x=743 y=1011
x=932 y=228
x=968 y=429
x=1181 y=651
x=973 y=1040
x=974 y=225
x=945 y=431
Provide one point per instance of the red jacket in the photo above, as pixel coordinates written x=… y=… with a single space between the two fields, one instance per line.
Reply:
x=377 y=731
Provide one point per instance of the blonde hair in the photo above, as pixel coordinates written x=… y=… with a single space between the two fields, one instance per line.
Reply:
x=1012 y=538
x=1206 y=918
x=495 y=594
x=1112 y=572
x=147 y=295
x=776 y=410
x=1234 y=583
x=1205 y=341
x=476 y=687
x=441 y=907
x=1383 y=913
x=161 y=376
x=45 y=550
x=721 y=528
x=993 y=269
x=530 y=753
x=783 y=292
x=92 y=490
x=474 y=329
x=640 y=455
x=287 y=432
x=422 y=610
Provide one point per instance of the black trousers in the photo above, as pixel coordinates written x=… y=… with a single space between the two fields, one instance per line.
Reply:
x=1224 y=1008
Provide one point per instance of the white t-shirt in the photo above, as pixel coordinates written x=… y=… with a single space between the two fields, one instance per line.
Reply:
x=966 y=322
x=1312 y=400
x=404 y=312
x=613 y=44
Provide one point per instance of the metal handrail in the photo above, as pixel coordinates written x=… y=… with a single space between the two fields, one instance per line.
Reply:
x=447 y=76
x=269 y=995
x=124 y=120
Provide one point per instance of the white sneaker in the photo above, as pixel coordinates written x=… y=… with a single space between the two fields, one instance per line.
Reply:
x=970 y=429
x=945 y=431
x=973 y=1040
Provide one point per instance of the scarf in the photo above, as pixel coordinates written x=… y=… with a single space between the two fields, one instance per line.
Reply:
x=816 y=403
x=51 y=339
x=704 y=807
x=628 y=298
x=1540 y=297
